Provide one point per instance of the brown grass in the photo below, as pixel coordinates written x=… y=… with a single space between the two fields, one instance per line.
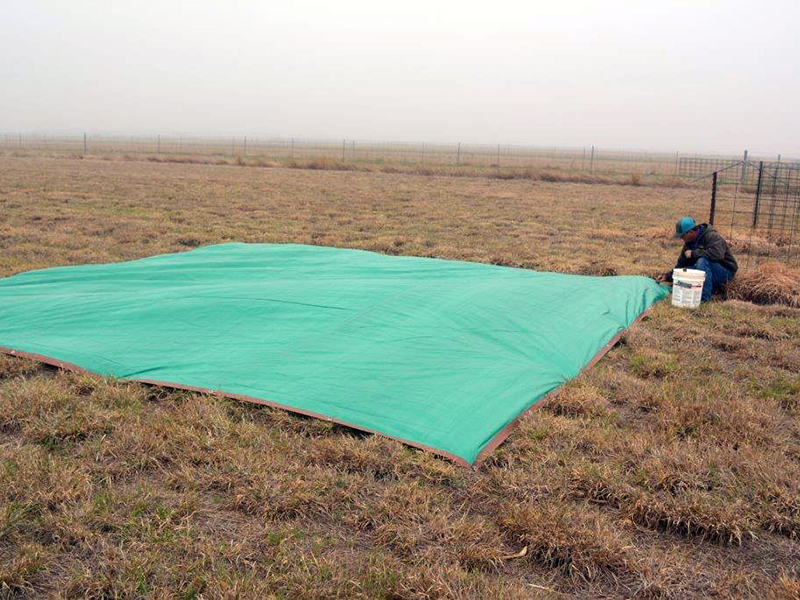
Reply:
x=670 y=469
x=769 y=283
x=580 y=542
x=331 y=163
x=762 y=243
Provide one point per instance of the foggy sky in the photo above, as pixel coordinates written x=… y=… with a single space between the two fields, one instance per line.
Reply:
x=676 y=75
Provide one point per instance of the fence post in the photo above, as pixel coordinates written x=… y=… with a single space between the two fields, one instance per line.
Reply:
x=20 y=140
x=713 y=198
x=677 y=165
x=458 y=155
x=758 y=194
x=244 y=149
x=744 y=168
x=591 y=161
x=84 y=143
x=344 y=141
x=291 y=154
x=774 y=196
x=159 y=143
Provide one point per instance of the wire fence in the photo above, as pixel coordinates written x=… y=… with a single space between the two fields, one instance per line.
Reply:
x=757 y=206
x=282 y=150
x=746 y=168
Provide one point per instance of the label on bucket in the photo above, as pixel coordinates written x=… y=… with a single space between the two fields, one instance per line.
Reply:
x=687 y=284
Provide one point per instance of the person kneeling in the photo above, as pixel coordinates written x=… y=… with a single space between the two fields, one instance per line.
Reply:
x=704 y=249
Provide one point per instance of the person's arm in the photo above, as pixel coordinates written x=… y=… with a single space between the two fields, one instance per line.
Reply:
x=683 y=261
x=713 y=247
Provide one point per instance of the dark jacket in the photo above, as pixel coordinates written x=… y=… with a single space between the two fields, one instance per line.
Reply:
x=711 y=246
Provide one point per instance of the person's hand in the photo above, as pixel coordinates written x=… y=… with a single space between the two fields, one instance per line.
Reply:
x=661 y=278
x=688 y=254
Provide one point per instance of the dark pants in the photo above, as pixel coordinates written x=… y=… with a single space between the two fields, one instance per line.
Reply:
x=716 y=276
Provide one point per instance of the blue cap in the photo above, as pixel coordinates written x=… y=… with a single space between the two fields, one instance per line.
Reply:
x=683 y=226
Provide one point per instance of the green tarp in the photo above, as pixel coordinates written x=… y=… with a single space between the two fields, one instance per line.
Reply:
x=440 y=354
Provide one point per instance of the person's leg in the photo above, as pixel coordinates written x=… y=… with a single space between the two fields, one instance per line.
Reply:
x=721 y=275
x=703 y=264
x=716 y=275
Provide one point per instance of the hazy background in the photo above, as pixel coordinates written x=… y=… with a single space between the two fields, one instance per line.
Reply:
x=686 y=75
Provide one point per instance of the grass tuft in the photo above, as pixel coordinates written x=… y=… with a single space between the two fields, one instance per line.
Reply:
x=578 y=541
x=770 y=283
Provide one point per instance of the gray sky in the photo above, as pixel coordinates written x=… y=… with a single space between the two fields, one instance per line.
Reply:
x=695 y=75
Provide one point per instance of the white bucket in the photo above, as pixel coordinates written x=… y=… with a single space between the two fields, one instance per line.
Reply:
x=687 y=287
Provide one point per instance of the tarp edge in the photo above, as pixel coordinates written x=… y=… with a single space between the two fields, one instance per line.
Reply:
x=73 y=367
x=503 y=434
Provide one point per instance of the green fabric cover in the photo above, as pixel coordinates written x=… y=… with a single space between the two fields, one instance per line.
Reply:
x=438 y=353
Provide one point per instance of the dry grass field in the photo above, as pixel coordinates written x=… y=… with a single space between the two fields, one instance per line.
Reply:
x=670 y=469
